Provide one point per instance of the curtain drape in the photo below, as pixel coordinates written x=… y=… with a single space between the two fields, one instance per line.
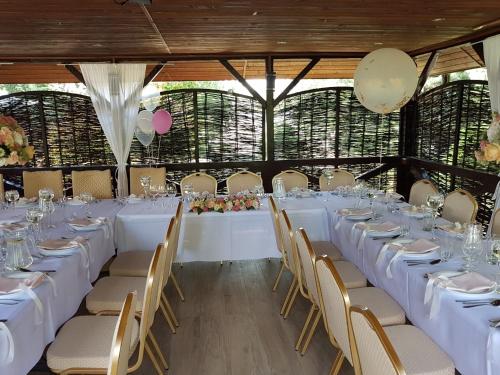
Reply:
x=491 y=47
x=115 y=90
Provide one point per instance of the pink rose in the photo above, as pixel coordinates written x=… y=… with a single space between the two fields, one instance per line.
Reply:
x=205 y=209
x=248 y=203
x=236 y=208
x=482 y=145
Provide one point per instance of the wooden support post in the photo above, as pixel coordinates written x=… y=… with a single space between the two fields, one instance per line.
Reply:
x=296 y=80
x=429 y=65
x=242 y=80
x=270 y=80
x=407 y=136
x=478 y=48
x=73 y=70
x=154 y=72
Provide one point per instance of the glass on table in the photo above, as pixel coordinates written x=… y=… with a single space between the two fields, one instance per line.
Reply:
x=34 y=217
x=447 y=246
x=12 y=196
x=146 y=184
x=434 y=202
x=472 y=245
x=328 y=176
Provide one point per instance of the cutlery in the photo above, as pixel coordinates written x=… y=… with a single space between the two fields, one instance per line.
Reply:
x=3 y=320
x=495 y=302
x=8 y=303
x=422 y=262
x=42 y=271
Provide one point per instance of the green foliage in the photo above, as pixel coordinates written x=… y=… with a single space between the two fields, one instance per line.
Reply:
x=178 y=85
x=10 y=88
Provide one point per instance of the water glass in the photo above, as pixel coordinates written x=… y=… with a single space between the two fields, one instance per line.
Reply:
x=12 y=196
x=34 y=217
x=146 y=184
x=472 y=245
x=279 y=190
x=446 y=248
x=427 y=220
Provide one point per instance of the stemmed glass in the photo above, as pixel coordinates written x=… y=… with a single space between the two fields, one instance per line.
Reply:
x=146 y=185
x=328 y=175
x=34 y=217
x=12 y=196
x=435 y=202
x=472 y=245
x=188 y=191
x=87 y=198
x=171 y=192
x=46 y=205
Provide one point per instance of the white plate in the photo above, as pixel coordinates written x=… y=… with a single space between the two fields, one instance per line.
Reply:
x=75 y=202
x=358 y=217
x=87 y=228
x=67 y=251
x=383 y=234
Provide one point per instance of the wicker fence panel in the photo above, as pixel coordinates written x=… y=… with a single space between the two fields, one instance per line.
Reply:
x=330 y=122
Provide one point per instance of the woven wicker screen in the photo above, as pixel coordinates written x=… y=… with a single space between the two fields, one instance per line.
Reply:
x=330 y=122
x=208 y=126
x=451 y=121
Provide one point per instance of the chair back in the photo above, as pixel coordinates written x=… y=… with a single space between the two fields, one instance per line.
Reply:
x=461 y=206
x=277 y=229
x=2 y=189
x=97 y=183
x=241 y=181
x=34 y=181
x=120 y=348
x=158 y=177
x=495 y=223
x=419 y=192
x=306 y=258
x=375 y=353
x=288 y=241
x=201 y=182
x=167 y=252
x=334 y=303
x=178 y=225
x=340 y=178
x=292 y=179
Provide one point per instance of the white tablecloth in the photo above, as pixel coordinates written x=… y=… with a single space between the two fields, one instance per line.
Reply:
x=71 y=283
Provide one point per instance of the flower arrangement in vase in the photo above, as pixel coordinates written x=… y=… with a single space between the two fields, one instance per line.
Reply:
x=14 y=147
x=490 y=144
x=244 y=201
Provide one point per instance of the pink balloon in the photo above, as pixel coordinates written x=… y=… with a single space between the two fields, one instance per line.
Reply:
x=162 y=121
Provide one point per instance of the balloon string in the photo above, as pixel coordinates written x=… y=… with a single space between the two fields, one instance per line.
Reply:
x=380 y=153
x=159 y=144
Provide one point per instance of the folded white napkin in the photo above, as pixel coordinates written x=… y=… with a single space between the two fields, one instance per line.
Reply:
x=355 y=211
x=383 y=227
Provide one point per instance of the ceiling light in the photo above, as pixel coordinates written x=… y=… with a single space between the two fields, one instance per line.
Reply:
x=255 y=13
x=438 y=19
x=378 y=43
x=281 y=42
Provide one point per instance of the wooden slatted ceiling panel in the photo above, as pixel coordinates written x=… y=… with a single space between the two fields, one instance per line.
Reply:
x=101 y=29
x=454 y=59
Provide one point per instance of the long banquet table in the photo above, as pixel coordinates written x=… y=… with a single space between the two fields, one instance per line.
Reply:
x=463 y=333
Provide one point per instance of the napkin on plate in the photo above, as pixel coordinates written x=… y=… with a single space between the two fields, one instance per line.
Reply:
x=355 y=211
x=470 y=282
x=58 y=244
x=85 y=222
x=452 y=228
x=15 y=284
x=419 y=246
x=13 y=226
x=386 y=226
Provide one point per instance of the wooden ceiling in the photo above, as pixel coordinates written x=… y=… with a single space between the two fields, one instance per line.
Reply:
x=48 y=32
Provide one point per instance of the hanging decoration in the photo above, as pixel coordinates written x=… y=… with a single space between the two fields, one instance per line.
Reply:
x=145 y=121
x=145 y=138
x=162 y=121
x=385 y=80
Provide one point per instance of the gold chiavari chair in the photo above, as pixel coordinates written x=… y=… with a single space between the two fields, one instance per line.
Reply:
x=279 y=242
x=388 y=311
x=158 y=177
x=108 y=290
x=351 y=275
x=2 y=189
x=80 y=344
x=395 y=350
x=136 y=262
x=340 y=178
x=419 y=192
x=495 y=223
x=97 y=183
x=292 y=179
x=241 y=181
x=201 y=182
x=335 y=301
x=36 y=180
x=461 y=206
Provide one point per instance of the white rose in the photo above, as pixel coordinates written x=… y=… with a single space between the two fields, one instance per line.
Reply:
x=3 y=162
x=493 y=132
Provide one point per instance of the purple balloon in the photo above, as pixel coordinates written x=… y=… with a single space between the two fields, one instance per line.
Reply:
x=162 y=121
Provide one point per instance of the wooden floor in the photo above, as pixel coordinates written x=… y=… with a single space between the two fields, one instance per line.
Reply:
x=230 y=325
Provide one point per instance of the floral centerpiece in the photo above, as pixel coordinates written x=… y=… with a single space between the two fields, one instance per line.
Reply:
x=244 y=201
x=14 y=147
x=490 y=144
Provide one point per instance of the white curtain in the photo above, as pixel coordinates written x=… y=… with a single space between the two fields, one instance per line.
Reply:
x=115 y=90
x=491 y=47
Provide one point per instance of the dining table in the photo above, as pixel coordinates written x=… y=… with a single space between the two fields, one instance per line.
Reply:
x=463 y=333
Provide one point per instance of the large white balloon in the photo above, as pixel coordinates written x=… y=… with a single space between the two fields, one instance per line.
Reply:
x=145 y=121
x=150 y=104
x=145 y=138
x=385 y=80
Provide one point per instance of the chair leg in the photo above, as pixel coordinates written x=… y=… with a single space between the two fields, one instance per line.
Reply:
x=311 y=332
x=177 y=287
x=290 y=290
x=306 y=324
x=337 y=364
x=151 y=356
x=169 y=309
x=158 y=350
x=292 y=300
x=278 y=278
x=167 y=317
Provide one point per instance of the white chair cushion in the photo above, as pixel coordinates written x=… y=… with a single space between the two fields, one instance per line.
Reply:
x=85 y=342
x=131 y=263
x=418 y=353
x=326 y=247
x=110 y=292
x=387 y=311
x=350 y=275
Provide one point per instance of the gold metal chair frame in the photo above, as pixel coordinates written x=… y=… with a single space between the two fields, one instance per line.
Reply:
x=279 y=241
x=470 y=197
x=282 y=174
x=494 y=218
x=422 y=182
x=178 y=221
x=238 y=174
x=384 y=340
x=323 y=184
x=198 y=174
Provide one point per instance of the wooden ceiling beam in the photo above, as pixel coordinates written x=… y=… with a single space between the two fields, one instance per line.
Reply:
x=431 y=61
x=75 y=72
x=242 y=80
x=296 y=80
x=478 y=48
x=154 y=72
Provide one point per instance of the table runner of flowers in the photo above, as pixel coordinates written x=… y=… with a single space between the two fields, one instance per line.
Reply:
x=235 y=203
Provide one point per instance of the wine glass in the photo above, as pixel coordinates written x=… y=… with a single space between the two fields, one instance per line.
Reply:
x=87 y=198
x=472 y=245
x=34 y=217
x=328 y=175
x=146 y=185
x=12 y=196
x=188 y=191
x=171 y=192
x=434 y=202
